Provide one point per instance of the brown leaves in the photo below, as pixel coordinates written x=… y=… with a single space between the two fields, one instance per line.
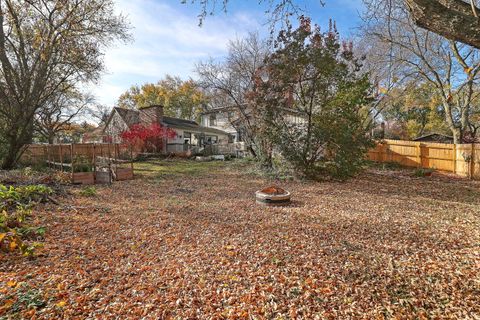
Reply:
x=382 y=246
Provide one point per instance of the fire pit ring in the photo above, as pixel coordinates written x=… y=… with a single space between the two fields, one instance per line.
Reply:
x=273 y=196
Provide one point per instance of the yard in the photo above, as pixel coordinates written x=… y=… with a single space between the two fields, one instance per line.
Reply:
x=186 y=240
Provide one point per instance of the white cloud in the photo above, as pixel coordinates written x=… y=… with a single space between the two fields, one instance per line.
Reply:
x=167 y=40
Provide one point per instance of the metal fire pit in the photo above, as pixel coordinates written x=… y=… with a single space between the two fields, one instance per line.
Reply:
x=272 y=197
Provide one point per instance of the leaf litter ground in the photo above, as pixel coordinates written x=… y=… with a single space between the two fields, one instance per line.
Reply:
x=187 y=241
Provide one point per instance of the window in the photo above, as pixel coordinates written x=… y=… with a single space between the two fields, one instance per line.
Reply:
x=211 y=139
x=187 y=137
x=213 y=119
x=231 y=138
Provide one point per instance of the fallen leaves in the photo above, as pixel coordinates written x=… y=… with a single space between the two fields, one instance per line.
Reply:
x=61 y=304
x=382 y=246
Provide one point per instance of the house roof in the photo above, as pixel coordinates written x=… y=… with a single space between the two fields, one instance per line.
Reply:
x=189 y=125
x=244 y=107
x=130 y=116
x=178 y=122
x=219 y=109
x=434 y=137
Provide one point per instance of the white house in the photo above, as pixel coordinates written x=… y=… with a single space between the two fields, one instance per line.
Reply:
x=229 y=119
x=223 y=119
x=189 y=134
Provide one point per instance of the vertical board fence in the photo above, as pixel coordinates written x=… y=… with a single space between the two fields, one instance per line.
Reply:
x=88 y=163
x=460 y=159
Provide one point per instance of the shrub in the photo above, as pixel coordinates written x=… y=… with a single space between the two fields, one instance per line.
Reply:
x=88 y=191
x=315 y=103
x=15 y=209
x=149 y=138
x=22 y=196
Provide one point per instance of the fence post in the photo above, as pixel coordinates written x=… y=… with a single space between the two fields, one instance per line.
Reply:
x=385 y=152
x=72 y=163
x=45 y=156
x=61 y=158
x=419 y=154
x=454 y=158
x=472 y=160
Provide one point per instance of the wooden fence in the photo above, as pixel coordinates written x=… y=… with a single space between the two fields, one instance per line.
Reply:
x=88 y=163
x=460 y=159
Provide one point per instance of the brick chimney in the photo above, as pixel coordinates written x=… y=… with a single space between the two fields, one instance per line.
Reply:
x=151 y=114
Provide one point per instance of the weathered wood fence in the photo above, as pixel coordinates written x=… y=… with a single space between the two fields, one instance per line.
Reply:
x=460 y=159
x=88 y=163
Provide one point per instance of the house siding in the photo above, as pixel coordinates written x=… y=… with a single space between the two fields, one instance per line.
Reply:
x=222 y=122
x=120 y=120
x=115 y=127
x=177 y=144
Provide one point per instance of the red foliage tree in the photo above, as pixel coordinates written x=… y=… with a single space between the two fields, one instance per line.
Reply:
x=149 y=138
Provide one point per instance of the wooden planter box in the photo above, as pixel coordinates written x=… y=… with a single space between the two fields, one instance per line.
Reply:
x=103 y=177
x=83 y=178
x=124 y=174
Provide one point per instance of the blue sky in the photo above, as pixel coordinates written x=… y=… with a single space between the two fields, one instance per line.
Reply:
x=168 y=40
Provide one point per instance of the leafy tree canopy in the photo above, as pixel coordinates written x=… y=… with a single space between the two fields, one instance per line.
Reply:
x=315 y=100
x=417 y=110
x=47 y=46
x=456 y=20
x=182 y=99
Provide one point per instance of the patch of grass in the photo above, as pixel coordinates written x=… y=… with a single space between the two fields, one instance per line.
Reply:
x=89 y=191
x=158 y=169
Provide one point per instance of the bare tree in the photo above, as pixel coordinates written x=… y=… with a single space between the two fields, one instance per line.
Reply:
x=231 y=81
x=99 y=112
x=47 y=45
x=456 y=20
x=408 y=52
x=278 y=12
x=59 y=112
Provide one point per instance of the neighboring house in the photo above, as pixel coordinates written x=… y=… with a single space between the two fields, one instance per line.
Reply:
x=435 y=137
x=189 y=134
x=222 y=119
x=94 y=136
x=228 y=119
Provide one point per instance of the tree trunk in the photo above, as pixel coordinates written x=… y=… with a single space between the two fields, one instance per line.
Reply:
x=457 y=135
x=456 y=131
x=17 y=138
x=453 y=19
x=11 y=155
